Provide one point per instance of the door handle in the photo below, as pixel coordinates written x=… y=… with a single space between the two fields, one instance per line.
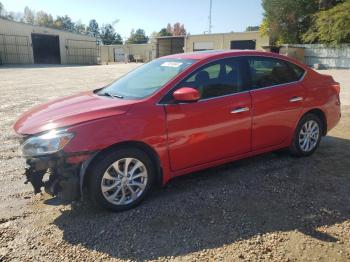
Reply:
x=240 y=110
x=295 y=99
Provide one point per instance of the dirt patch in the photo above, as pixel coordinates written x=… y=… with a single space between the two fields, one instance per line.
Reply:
x=271 y=207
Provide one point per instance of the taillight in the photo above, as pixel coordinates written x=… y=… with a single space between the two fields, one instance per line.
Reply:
x=336 y=87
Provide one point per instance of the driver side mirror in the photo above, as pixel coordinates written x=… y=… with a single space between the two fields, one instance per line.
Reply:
x=186 y=94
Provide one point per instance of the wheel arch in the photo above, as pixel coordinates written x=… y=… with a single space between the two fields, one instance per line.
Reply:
x=318 y=112
x=150 y=151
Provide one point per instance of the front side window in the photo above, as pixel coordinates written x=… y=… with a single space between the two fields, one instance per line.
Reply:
x=265 y=71
x=146 y=79
x=217 y=79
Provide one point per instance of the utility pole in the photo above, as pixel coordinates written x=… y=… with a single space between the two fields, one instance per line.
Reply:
x=210 y=8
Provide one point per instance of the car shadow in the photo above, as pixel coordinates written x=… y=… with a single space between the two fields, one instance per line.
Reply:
x=222 y=205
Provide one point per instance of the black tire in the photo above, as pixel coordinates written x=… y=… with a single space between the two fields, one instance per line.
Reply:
x=295 y=148
x=99 y=167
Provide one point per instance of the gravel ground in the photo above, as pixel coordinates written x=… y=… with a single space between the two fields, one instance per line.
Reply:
x=271 y=207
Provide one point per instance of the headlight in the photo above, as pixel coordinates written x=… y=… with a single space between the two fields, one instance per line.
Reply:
x=48 y=143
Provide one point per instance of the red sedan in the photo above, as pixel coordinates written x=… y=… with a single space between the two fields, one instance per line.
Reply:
x=173 y=116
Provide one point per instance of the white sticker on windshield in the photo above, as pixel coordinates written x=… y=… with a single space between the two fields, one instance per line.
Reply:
x=171 y=64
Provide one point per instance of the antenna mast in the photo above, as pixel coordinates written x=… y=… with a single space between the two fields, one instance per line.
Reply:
x=210 y=8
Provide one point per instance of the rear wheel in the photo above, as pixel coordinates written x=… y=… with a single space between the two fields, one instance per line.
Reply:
x=120 y=180
x=307 y=136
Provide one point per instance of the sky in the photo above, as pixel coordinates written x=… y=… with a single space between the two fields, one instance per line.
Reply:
x=152 y=15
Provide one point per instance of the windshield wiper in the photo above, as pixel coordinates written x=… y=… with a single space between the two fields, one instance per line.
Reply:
x=112 y=95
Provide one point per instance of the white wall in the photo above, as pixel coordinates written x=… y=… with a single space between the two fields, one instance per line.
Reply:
x=330 y=57
x=223 y=41
x=145 y=52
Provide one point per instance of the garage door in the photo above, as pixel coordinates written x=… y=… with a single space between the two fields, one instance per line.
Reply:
x=119 y=55
x=15 y=49
x=243 y=44
x=82 y=52
x=46 y=49
x=201 y=46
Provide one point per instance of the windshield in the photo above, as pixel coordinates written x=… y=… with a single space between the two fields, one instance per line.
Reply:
x=146 y=79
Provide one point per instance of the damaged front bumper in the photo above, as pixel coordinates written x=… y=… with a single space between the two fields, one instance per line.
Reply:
x=65 y=175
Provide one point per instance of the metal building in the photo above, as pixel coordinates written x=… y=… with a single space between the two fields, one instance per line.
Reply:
x=22 y=43
x=225 y=41
x=191 y=43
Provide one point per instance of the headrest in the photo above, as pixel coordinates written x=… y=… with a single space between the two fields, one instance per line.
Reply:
x=202 y=77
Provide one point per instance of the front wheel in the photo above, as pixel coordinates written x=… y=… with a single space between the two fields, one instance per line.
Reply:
x=307 y=136
x=121 y=179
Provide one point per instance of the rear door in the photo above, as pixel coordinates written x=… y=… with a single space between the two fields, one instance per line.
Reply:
x=277 y=100
x=218 y=125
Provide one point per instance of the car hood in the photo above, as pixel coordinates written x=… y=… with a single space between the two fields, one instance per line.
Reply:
x=70 y=111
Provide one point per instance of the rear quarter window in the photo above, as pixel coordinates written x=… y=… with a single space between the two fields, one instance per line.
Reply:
x=267 y=71
x=299 y=72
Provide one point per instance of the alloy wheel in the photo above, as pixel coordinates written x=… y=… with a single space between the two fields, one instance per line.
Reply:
x=309 y=135
x=124 y=181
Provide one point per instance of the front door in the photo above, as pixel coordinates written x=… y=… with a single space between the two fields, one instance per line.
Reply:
x=218 y=125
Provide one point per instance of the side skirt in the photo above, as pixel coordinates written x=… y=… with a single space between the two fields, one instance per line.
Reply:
x=226 y=160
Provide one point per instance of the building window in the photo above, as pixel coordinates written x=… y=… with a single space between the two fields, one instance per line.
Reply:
x=243 y=44
x=202 y=46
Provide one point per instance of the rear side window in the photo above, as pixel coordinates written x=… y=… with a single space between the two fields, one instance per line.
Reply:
x=265 y=72
x=299 y=72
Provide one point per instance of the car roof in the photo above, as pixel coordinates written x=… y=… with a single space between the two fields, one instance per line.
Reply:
x=213 y=54
x=199 y=55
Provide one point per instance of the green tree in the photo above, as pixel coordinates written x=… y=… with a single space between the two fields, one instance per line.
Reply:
x=58 y=23
x=93 y=28
x=153 y=36
x=1 y=9
x=43 y=19
x=13 y=16
x=29 y=16
x=326 y=4
x=252 y=28
x=330 y=26
x=80 y=28
x=9 y=16
x=164 y=32
x=288 y=20
x=64 y=23
x=6 y=15
x=109 y=36
x=137 y=37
